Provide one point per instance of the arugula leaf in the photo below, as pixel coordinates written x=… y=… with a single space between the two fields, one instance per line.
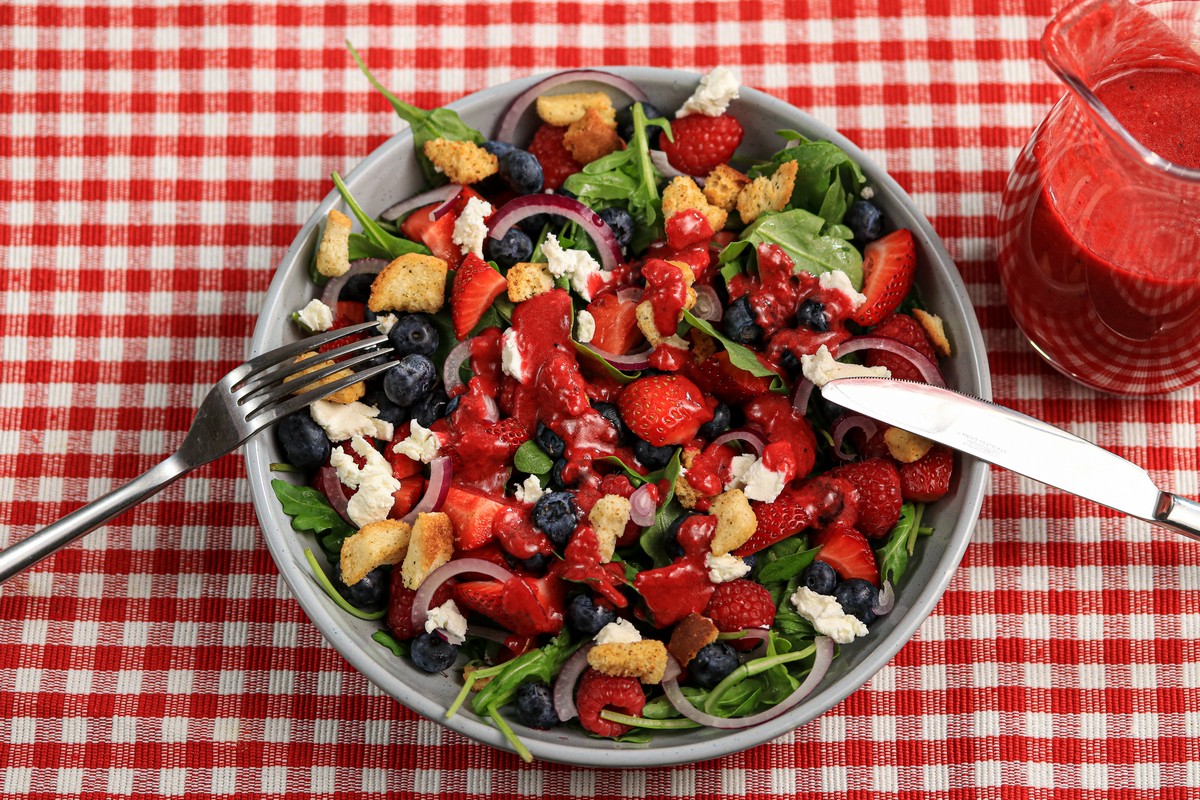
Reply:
x=542 y=663
x=389 y=246
x=397 y=647
x=309 y=509
x=627 y=177
x=654 y=539
x=608 y=369
x=532 y=459
x=893 y=556
x=342 y=603
x=783 y=568
x=439 y=123
x=635 y=477
x=917 y=530
x=740 y=356
x=820 y=165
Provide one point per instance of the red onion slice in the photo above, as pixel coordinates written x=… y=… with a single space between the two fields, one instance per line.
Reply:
x=642 y=507
x=507 y=126
x=886 y=601
x=491 y=410
x=459 y=566
x=847 y=423
x=630 y=294
x=442 y=194
x=801 y=395
x=708 y=305
x=435 y=493
x=927 y=368
x=751 y=440
x=450 y=368
x=630 y=362
x=824 y=656
x=363 y=266
x=491 y=634
x=518 y=209
x=334 y=490
x=568 y=679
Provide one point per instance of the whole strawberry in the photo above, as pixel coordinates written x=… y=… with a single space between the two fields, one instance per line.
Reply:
x=597 y=692
x=400 y=606
x=557 y=162
x=878 y=486
x=741 y=604
x=701 y=143
x=663 y=409
x=928 y=478
x=904 y=329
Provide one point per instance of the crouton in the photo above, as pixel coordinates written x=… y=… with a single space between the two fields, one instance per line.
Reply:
x=683 y=194
x=765 y=193
x=528 y=279
x=375 y=544
x=430 y=546
x=591 y=137
x=703 y=345
x=723 y=186
x=353 y=392
x=935 y=330
x=687 y=495
x=691 y=635
x=736 y=522
x=645 y=660
x=609 y=516
x=413 y=282
x=462 y=162
x=564 y=109
x=333 y=253
x=904 y=446
x=478 y=683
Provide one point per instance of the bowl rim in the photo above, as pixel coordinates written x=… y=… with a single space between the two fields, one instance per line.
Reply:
x=329 y=619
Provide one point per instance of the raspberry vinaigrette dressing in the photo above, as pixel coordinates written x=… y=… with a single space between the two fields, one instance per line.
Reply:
x=1101 y=216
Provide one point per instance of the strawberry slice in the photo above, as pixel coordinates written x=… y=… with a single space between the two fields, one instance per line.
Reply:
x=928 y=478
x=407 y=496
x=847 y=551
x=783 y=423
x=717 y=376
x=906 y=330
x=525 y=606
x=476 y=286
x=664 y=409
x=471 y=515
x=437 y=235
x=616 y=324
x=888 y=267
x=778 y=520
x=674 y=591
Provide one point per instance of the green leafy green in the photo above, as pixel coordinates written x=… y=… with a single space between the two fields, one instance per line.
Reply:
x=822 y=170
x=439 y=123
x=799 y=234
x=626 y=177
x=654 y=539
x=740 y=356
x=542 y=664
x=608 y=369
x=726 y=699
x=309 y=509
x=386 y=245
x=646 y=722
x=635 y=477
x=893 y=556
x=532 y=459
x=361 y=246
x=397 y=647
x=324 y=582
x=784 y=567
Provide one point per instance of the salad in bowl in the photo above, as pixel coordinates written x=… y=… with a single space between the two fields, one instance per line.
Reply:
x=600 y=492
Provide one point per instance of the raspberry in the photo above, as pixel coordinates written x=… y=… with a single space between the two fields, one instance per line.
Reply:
x=878 y=486
x=904 y=329
x=740 y=604
x=557 y=162
x=701 y=143
x=400 y=604
x=928 y=478
x=597 y=692
x=341 y=321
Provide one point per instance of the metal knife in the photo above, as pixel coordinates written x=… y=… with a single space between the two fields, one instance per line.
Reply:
x=1020 y=443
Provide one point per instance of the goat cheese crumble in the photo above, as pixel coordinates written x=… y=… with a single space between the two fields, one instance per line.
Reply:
x=470 y=229
x=449 y=620
x=374 y=481
x=826 y=615
x=340 y=421
x=316 y=316
x=421 y=445
x=822 y=367
x=619 y=632
x=712 y=97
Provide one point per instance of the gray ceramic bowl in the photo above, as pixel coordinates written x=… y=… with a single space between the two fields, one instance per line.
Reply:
x=390 y=174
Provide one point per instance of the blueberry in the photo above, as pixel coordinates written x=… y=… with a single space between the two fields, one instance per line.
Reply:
x=305 y=445
x=739 y=323
x=610 y=413
x=751 y=560
x=498 y=149
x=521 y=171
x=534 y=565
x=620 y=222
x=865 y=219
x=556 y=475
x=409 y=380
x=515 y=247
x=811 y=314
x=452 y=406
x=652 y=457
x=535 y=705
x=857 y=597
x=430 y=408
x=370 y=592
x=718 y=424
x=712 y=664
x=674 y=549
x=388 y=411
x=431 y=653
x=555 y=514
x=820 y=577
x=548 y=440
x=414 y=333
x=585 y=616
x=625 y=123
x=790 y=363
x=358 y=288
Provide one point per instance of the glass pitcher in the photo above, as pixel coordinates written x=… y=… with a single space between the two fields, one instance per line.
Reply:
x=1099 y=236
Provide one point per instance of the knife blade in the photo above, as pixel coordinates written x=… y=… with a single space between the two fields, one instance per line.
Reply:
x=1020 y=443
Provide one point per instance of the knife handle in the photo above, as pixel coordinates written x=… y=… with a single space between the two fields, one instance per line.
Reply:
x=1179 y=514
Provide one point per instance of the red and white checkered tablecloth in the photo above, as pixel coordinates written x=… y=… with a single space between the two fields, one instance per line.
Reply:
x=156 y=160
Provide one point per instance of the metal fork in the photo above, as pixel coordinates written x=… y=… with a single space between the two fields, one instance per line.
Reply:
x=248 y=399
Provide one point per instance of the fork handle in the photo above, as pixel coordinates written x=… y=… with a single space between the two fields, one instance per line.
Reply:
x=24 y=554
